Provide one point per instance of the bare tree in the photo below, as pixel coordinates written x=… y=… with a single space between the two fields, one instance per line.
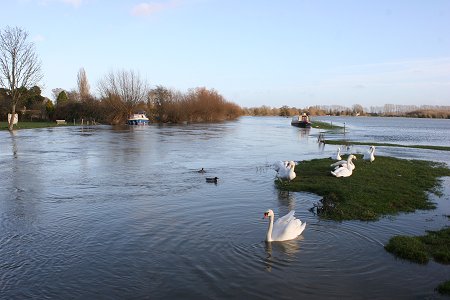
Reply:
x=56 y=92
x=358 y=109
x=83 y=85
x=124 y=91
x=19 y=65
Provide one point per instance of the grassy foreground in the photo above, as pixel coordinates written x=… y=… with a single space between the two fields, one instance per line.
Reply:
x=385 y=187
x=342 y=142
x=419 y=249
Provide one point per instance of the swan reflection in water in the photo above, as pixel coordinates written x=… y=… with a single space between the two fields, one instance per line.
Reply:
x=280 y=253
x=287 y=199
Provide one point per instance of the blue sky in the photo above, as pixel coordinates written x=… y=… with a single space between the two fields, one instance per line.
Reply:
x=275 y=53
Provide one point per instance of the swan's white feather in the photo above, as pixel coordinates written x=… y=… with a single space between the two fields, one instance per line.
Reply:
x=338 y=163
x=344 y=163
x=286 y=172
x=346 y=169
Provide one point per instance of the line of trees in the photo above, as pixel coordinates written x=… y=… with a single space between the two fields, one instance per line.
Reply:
x=124 y=92
x=121 y=93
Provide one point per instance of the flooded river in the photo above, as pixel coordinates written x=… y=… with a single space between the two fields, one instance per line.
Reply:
x=122 y=213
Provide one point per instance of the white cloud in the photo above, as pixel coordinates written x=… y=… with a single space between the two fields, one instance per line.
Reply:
x=150 y=8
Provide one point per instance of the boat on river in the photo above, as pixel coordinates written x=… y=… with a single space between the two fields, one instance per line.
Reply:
x=138 y=119
x=301 y=121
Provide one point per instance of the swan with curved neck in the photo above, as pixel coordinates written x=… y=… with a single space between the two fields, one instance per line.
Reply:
x=370 y=155
x=345 y=171
x=344 y=163
x=285 y=228
x=338 y=154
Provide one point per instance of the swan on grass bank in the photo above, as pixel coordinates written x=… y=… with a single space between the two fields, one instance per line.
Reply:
x=345 y=171
x=285 y=228
x=286 y=172
x=344 y=163
x=338 y=154
x=370 y=155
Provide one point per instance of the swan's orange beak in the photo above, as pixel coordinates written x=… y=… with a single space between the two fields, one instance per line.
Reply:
x=265 y=215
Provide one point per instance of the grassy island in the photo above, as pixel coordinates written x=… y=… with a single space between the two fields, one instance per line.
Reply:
x=384 y=187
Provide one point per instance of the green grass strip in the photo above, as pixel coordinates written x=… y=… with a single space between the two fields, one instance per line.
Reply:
x=342 y=142
x=386 y=186
x=435 y=244
x=32 y=125
x=324 y=125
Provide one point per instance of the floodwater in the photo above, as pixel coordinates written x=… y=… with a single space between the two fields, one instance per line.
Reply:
x=121 y=213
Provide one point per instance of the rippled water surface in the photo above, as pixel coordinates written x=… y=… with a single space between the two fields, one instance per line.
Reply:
x=120 y=212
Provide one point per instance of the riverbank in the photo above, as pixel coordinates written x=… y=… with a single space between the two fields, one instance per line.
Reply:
x=32 y=125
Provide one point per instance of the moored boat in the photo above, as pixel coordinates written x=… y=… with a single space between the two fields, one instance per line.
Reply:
x=138 y=119
x=301 y=121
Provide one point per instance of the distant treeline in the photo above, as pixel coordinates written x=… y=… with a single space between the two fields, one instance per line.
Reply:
x=391 y=110
x=122 y=93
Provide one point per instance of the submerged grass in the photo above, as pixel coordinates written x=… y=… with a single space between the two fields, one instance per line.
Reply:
x=343 y=142
x=384 y=187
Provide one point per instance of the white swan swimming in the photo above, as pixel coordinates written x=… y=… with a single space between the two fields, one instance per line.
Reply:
x=344 y=171
x=344 y=163
x=287 y=173
x=338 y=154
x=370 y=155
x=285 y=228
